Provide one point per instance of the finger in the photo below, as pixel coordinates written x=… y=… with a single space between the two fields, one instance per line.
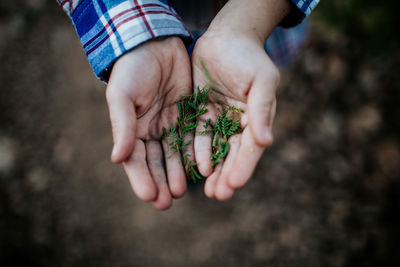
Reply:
x=155 y=162
x=123 y=123
x=211 y=182
x=261 y=103
x=245 y=162
x=223 y=189
x=202 y=148
x=273 y=114
x=175 y=171
x=139 y=175
x=202 y=142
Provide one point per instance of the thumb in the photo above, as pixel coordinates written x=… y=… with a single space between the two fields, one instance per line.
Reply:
x=123 y=123
x=262 y=105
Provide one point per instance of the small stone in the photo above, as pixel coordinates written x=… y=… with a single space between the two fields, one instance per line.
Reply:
x=291 y=236
x=339 y=169
x=16 y=26
x=329 y=127
x=10 y=29
x=63 y=151
x=38 y=180
x=338 y=213
x=264 y=251
x=363 y=122
x=7 y=154
x=293 y=152
x=35 y=4
x=336 y=68
x=388 y=156
x=369 y=80
x=313 y=64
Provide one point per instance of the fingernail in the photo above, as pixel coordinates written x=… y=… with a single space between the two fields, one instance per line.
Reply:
x=113 y=152
x=268 y=133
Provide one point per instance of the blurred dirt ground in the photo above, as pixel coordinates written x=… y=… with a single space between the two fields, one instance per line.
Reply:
x=326 y=193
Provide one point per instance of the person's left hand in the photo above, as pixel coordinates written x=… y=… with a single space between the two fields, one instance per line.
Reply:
x=240 y=73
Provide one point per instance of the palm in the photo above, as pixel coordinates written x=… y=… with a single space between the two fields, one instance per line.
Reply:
x=160 y=113
x=235 y=70
x=143 y=89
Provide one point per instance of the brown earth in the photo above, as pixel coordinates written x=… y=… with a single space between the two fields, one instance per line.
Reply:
x=325 y=194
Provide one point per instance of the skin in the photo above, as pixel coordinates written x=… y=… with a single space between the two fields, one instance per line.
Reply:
x=146 y=83
x=141 y=94
x=230 y=58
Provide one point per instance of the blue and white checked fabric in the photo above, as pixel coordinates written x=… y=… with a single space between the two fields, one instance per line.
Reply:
x=306 y=6
x=109 y=28
x=284 y=44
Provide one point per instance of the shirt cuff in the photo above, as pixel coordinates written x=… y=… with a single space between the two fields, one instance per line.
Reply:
x=108 y=29
x=301 y=9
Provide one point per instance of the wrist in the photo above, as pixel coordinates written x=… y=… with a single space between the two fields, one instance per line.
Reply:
x=229 y=34
x=252 y=19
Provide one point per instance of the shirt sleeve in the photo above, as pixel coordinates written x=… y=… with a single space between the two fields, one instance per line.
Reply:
x=109 y=28
x=301 y=9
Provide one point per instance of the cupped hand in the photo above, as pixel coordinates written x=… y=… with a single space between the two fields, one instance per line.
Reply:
x=240 y=74
x=141 y=94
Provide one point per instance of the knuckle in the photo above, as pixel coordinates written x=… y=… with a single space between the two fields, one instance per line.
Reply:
x=114 y=95
x=156 y=163
x=109 y=92
x=267 y=104
x=275 y=75
x=147 y=194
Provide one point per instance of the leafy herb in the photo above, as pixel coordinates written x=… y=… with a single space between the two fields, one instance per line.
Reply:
x=190 y=108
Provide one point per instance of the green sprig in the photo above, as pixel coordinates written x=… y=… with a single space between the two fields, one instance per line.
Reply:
x=190 y=108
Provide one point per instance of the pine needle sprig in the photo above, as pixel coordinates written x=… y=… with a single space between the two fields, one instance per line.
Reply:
x=226 y=125
x=190 y=108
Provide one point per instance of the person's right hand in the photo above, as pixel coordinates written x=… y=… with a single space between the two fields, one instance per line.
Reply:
x=142 y=92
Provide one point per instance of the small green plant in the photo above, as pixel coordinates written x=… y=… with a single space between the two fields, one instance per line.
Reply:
x=190 y=108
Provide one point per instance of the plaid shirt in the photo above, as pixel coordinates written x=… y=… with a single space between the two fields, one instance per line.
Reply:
x=109 y=28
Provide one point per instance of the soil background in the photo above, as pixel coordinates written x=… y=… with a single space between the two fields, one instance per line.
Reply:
x=325 y=194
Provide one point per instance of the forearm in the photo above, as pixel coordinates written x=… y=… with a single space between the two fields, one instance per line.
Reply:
x=253 y=18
